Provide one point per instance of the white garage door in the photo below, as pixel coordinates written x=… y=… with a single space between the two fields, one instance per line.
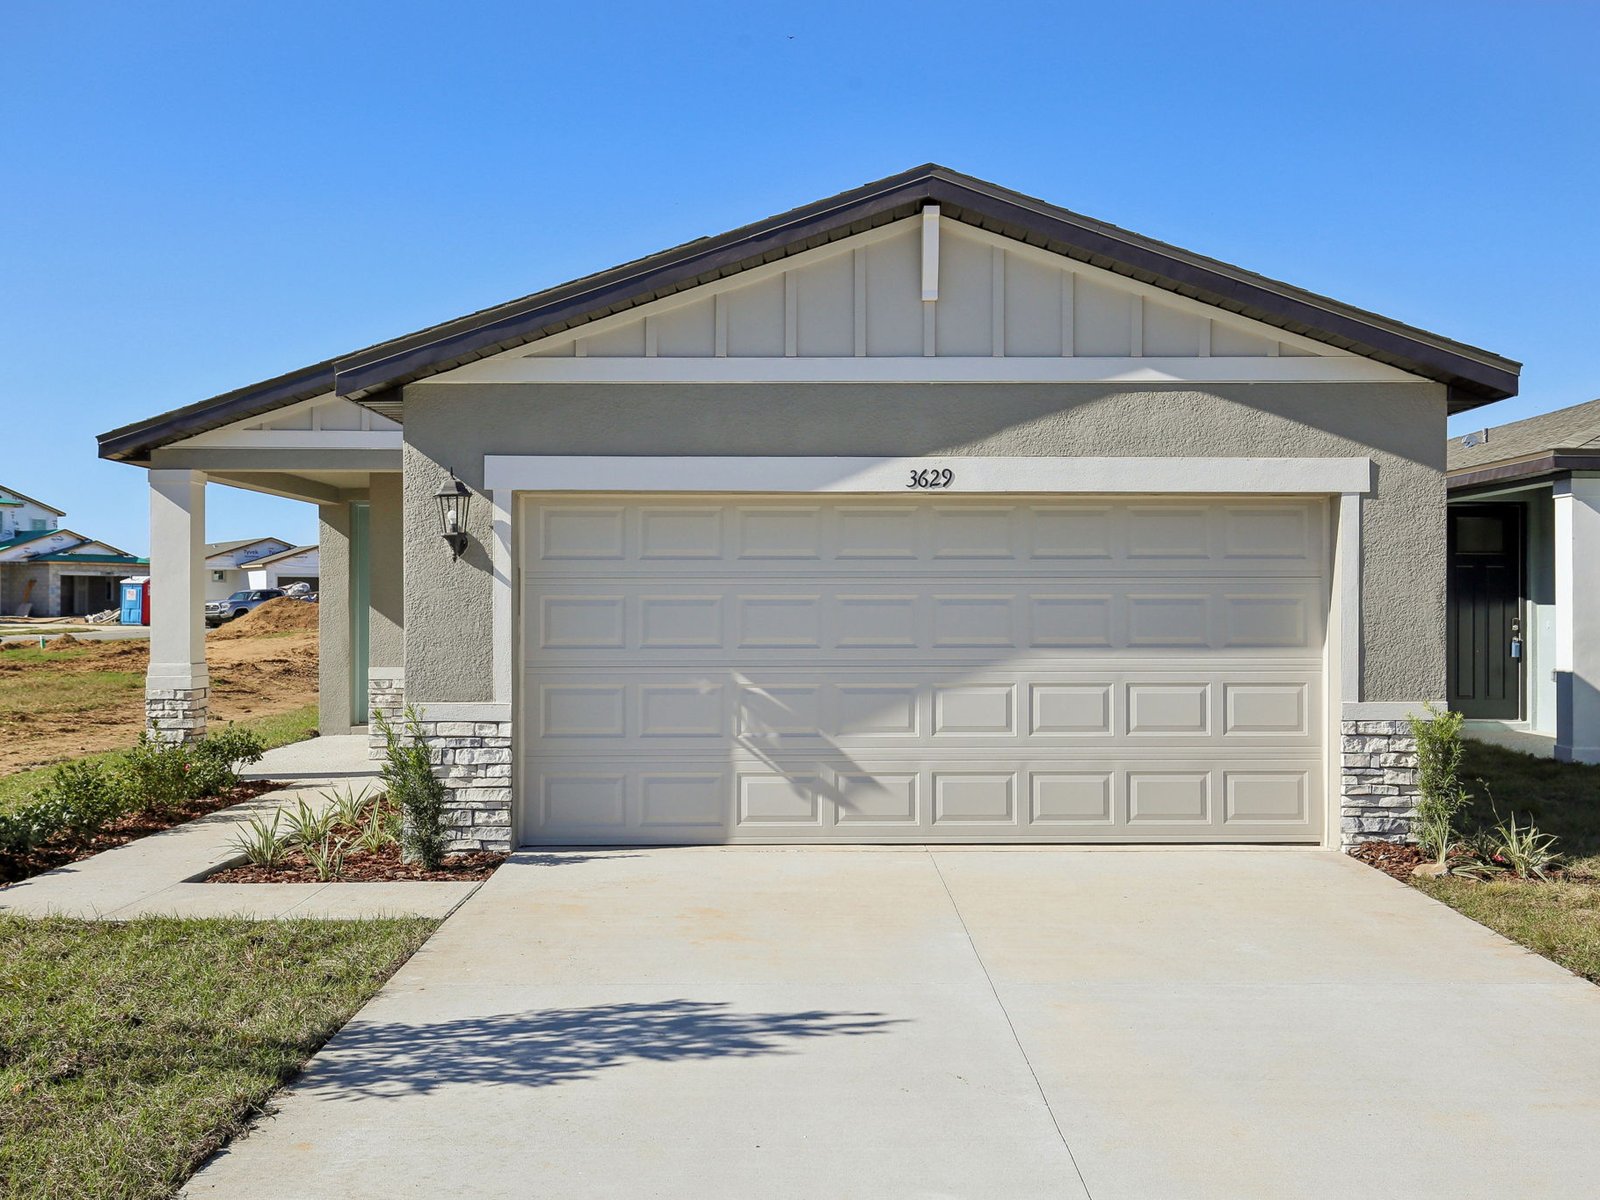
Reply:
x=866 y=669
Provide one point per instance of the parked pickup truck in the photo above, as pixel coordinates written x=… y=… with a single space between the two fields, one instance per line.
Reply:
x=236 y=605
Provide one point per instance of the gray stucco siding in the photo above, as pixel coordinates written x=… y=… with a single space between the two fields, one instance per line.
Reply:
x=1401 y=427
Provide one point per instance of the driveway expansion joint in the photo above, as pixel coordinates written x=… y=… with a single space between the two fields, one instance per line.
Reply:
x=1010 y=1025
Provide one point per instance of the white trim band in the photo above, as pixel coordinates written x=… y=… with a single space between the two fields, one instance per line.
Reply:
x=929 y=369
x=464 y=710
x=1097 y=476
x=1387 y=710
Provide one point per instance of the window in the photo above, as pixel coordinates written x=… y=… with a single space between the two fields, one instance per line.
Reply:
x=40 y=524
x=218 y=576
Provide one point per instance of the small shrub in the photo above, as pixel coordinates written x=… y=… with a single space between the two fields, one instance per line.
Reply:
x=156 y=774
x=412 y=787
x=326 y=858
x=261 y=843
x=379 y=831
x=25 y=826
x=1526 y=851
x=216 y=758
x=349 y=807
x=1440 y=796
x=307 y=825
x=79 y=800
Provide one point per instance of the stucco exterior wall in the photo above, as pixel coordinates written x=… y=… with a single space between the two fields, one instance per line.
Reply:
x=333 y=619
x=386 y=597
x=1400 y=426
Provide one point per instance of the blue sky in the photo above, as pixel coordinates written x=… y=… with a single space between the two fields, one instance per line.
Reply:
x=200 y=195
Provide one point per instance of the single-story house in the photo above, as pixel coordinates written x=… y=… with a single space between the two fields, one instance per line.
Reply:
x=226 y=563
x=297 y=564
x=1524 y=596
x=48 y=571
x=925 y=512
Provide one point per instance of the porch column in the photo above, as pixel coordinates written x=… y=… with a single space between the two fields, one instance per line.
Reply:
x=177 y=684
x=1577 y=584
x=386 y=646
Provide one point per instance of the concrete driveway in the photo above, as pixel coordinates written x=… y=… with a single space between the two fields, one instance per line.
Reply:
x=995 y=1024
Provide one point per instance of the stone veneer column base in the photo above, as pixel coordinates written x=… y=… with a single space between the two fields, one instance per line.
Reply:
x=1378 y=779
x=176 y=714
x=473 y=759
x=386 y=694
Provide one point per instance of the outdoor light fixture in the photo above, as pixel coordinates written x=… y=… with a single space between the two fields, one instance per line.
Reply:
x=453 y=499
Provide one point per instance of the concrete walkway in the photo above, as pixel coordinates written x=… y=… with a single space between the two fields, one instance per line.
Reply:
x=159 y=874
x=996 y=1024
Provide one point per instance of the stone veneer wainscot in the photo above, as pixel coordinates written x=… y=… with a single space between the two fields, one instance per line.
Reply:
x=1378 y=778
x=473 y=760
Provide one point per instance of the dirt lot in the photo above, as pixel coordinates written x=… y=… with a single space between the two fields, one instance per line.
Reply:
x=76 y=697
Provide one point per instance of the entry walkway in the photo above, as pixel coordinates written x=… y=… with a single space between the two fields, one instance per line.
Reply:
x=890 y=1024
x=159 y=874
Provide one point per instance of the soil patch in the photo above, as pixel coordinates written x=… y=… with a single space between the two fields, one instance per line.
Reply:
x=382 y=866
x=275 y=616
x=1389 y=857
x=64 y=641
x=251 y=676
x=124 y=830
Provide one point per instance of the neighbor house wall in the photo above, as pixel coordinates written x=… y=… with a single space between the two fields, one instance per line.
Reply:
x=1400 y=426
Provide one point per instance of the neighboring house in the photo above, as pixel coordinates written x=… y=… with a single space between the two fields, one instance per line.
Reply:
x=1524 y=610
x=226 y=563
x=926 y=512
x=48 y=571
x=297 y=564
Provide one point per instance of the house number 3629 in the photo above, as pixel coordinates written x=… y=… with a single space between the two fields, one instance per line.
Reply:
x=932 y=477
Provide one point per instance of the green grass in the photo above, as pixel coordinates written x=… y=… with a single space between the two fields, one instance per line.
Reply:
x=1558 y=920
x=1563 y=798
x=130 y=1051
x=278 y=729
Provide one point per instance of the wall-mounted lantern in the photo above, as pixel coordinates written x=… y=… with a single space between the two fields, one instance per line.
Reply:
x=453 y=499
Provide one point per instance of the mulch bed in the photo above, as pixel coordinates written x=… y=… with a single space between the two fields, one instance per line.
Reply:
x=120 y=832
x=1390 y=857
x=384 y=866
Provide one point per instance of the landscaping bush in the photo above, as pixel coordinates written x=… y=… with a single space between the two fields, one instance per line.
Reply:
x=214 y=760
x=155 y=774
x=412 y=787
x=77 y=802
x=1440 y=795
x=80 y=798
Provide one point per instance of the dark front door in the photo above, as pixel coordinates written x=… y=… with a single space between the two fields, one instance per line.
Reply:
x=1485 y=610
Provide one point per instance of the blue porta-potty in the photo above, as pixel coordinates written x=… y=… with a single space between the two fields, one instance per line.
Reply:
x=136 y=601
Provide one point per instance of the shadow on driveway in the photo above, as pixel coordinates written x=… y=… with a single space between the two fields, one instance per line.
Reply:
x=564 y=1045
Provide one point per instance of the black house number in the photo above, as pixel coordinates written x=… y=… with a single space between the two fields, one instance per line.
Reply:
x=933 y=477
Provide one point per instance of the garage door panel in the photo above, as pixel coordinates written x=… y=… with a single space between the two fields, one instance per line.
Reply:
x=854 y=535
x=653 y=711
x=940 y=620
x=930 y=669
x=883 y=797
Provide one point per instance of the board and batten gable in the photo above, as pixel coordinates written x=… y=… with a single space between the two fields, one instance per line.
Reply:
x=1399 y=425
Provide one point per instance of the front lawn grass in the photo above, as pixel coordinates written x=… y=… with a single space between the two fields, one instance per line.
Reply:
x=1562 y=798
x=279 y=729
x=1559 y=920
x=129 y=1051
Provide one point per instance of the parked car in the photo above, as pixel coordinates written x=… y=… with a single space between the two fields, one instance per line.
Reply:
x=236 y=605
